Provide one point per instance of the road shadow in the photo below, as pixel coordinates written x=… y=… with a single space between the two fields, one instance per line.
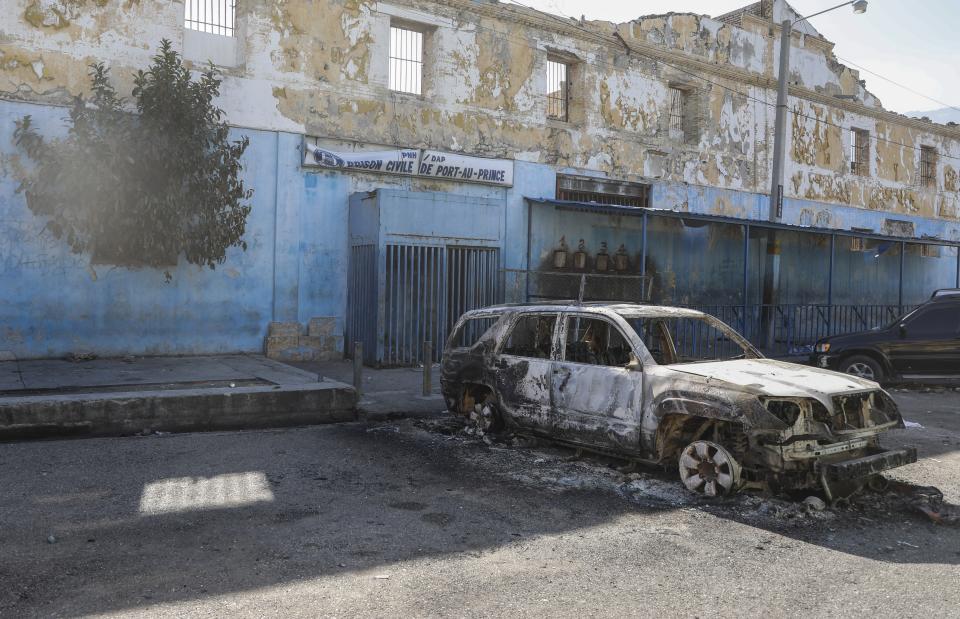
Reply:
x=138 y=522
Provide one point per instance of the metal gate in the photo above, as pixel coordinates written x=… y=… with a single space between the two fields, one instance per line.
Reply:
x=362 y=301
x=423 y=291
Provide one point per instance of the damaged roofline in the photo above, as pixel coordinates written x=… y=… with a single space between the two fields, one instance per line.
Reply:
x=617 y=43
x=633 y=211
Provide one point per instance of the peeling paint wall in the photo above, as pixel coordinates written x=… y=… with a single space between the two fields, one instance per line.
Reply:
x=320 y=67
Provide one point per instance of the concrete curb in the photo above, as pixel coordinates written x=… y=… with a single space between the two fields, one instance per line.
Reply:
x=119 y=413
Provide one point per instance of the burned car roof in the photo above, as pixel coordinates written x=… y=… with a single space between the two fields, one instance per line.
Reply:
x=625 y=309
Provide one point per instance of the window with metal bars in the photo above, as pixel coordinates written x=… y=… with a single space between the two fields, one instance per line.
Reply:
x=860 y=152
x=928 y=166
x=558 y=90
x=210 y=16
x=406 y=60
x=579 y=189
x=678 y=109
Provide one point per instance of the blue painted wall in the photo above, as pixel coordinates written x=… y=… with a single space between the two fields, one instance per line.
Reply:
x=53 y=302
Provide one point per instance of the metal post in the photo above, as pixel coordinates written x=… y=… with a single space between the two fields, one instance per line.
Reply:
x=903 y=248
x=746 y=278
x=643 y=259
x=957 y=248
x=427 y=367
x=358 y=368
x=833 y=242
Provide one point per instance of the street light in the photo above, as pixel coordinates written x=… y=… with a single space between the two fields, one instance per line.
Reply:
x=771 y=279
x=786 y=30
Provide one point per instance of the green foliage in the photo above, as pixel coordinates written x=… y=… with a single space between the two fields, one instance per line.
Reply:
x=140 y=189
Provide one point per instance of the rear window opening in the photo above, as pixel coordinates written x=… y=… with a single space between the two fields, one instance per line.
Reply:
x=471 y=330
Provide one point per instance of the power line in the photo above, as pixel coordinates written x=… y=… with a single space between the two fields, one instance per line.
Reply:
x=907 y=88
x=604 y=40
x=572 y=23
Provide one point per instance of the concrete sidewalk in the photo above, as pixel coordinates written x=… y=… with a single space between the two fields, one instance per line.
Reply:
x=56 y=397
x=392 y=392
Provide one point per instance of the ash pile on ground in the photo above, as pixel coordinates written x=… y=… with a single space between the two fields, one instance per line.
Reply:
x=549 y=466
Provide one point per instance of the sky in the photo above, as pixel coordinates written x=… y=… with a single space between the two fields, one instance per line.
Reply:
x=914 y=43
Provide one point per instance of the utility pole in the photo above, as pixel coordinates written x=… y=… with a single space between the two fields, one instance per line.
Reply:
x=771 y=274
x=780 y=125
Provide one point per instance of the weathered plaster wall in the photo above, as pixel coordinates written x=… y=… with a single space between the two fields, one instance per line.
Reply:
x=320 y=67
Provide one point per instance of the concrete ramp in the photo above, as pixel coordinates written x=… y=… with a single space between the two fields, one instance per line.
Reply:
x=54 y=397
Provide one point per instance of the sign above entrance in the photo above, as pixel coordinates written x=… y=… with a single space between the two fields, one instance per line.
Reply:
x=463 y=168
x=401 y=161
x=411 y=162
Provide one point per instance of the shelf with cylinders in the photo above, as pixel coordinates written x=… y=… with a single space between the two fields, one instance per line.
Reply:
x=584 y=276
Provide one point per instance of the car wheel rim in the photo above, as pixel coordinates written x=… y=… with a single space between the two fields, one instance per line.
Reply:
x=708 y=469
x=861 y=369
x=483 y=417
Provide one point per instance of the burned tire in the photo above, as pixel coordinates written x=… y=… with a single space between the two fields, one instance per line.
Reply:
x=486 y=416
x=863 y=367
x=708 y=469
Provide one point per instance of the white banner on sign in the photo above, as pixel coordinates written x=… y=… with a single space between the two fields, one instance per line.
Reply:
x=410 y=162
x=401 y=161
x=438 y=164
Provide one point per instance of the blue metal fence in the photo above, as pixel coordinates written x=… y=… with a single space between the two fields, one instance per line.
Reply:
x=797 y=328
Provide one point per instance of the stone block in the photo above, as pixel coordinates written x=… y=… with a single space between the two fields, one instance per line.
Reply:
x=312 y=342
x=332 y=345
x=284 y=329
x=322 y=325
x=275 y=345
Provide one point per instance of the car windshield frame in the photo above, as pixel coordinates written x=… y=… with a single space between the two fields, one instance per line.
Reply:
x=749 y=351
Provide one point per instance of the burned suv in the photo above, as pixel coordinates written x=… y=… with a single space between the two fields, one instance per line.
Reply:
x=669 y=386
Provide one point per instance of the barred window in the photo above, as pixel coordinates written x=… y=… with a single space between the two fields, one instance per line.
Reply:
x=678 y=105
x=928 y=166
x=406 y=60
x=557 y=90
x=860 y=152
x=210 y=16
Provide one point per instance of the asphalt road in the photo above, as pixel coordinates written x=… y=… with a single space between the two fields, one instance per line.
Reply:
x=410 y=518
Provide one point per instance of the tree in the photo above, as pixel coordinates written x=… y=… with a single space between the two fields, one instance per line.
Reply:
x=139 y=189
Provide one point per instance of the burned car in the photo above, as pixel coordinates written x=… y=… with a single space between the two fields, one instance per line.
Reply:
x=668 y=386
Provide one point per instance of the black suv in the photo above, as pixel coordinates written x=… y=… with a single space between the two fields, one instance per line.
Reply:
x=924 y=343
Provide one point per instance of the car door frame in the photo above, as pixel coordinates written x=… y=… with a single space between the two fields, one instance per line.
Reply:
x=617 y=426
x=924 y=355
x=523 y=384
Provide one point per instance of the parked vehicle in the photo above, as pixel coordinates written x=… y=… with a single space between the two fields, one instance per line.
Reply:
x=667 y=385
x=924 y=343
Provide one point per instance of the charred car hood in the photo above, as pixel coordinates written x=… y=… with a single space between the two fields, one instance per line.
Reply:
x=778 y=378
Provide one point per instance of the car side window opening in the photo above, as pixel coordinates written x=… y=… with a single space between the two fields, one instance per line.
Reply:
x=596 y=342
x=686 y=340
x=531 y=336
x=938 y=321
x=656 y=338
x=471 y=330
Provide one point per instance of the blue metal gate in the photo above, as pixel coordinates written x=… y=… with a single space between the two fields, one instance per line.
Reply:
x=415 y=293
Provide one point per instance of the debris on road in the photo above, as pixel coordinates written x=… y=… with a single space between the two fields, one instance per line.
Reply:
x=814 y=503
x=554 y=466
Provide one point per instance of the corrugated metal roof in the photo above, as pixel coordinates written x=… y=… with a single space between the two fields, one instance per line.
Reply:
x=633 y=211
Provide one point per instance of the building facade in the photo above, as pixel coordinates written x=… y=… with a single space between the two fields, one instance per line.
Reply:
x=412 y=159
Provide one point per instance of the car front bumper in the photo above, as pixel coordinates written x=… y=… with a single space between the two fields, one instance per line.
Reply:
x=864 y=466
